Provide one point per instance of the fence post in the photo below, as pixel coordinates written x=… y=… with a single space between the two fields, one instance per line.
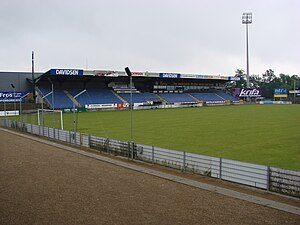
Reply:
x=107 y=145
x=128 y=153
x=184 y=159
x=152 y=154
x=132 y=147
x=268 y=178
x=80 y=139
x=220 y=169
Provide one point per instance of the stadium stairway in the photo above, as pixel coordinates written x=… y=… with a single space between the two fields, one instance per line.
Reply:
x=194 y=97
x=220 y=96
x=158 y=96
x=72 y=99
x=119 y=97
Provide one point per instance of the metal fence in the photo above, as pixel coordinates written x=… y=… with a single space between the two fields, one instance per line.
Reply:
x=225 y=169
x=259 y=176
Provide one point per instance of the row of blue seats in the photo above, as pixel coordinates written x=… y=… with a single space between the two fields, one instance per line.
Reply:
x=91 y=96
x=106 y=96
x=61 y=100
x=96 y=96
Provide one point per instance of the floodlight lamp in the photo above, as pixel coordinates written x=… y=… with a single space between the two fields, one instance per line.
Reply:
x=128 y=72
x=247 y=18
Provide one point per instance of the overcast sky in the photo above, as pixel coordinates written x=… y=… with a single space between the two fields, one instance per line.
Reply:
x=185 y=36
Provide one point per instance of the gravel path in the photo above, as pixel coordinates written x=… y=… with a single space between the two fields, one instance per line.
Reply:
x=42 y=184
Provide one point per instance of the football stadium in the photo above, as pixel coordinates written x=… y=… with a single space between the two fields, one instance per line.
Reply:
x=183 y=121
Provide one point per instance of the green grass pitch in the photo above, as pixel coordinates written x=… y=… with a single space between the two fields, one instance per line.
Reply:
x=263 y=134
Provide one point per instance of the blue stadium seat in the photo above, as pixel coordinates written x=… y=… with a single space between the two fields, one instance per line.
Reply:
x=96 y=96
x=227 y=96
x=61 y=100
x=177 y=97
x=207 y=97
x=139 y=97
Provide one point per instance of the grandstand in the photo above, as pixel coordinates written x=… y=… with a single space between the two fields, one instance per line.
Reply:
x=111 y=89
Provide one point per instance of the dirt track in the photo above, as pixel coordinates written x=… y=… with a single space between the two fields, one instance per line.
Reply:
x=41 y=184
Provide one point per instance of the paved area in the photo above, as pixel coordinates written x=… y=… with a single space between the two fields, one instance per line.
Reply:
x=43 y=184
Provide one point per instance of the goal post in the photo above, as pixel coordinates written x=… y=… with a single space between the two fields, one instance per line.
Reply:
x=42 y=112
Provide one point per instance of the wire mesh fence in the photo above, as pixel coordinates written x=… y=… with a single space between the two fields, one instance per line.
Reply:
x=264 y=177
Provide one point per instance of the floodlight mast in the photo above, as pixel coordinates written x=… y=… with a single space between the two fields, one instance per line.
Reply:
x=32 y=76
x=15 y=108
x=129 y=74
x=21 y=98
x=247 y=19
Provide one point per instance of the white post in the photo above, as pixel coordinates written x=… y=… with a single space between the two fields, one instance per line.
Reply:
x=39 y=123
x=43 y=108
x=61 y=121
x=76 y=96
x=21 y=116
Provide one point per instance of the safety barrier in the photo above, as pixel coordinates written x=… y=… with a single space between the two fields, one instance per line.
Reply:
x=259 y=176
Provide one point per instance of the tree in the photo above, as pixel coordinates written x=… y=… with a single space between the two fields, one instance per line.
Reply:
x=268 y=81
x=268 y=76
x=239 y=73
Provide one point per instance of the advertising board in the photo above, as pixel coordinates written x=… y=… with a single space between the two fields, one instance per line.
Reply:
x=138 y=74
x=247 y=92
x=106 y=74
x=234 y=78
x=12 y=96
x=281 y=93
x=66 y=72
x=169 y=75
x=211 y=77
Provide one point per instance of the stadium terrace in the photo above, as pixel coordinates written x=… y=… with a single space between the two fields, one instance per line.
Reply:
x=111 y=89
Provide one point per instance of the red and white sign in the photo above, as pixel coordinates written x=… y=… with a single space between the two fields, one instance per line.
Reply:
x=138 y=74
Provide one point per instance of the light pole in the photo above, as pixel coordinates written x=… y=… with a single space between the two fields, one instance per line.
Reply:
x=52 y=91
x=32 y=76
x=247 y=19
x=21 y=116
x=13 y=86
x=294 y=91
x=4 y=105
x=128 y=72
x=75 y=125
x=4 y=101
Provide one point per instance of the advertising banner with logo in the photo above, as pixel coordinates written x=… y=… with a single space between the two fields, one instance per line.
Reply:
x=234 y=78
x=247 y=92
x=106 y=74
x=281 y=93
x=169 y=75
x=11 y=96
x=138 y=74
x=66 y=72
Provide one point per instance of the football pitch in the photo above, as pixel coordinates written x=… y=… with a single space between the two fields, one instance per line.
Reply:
x=263 y=134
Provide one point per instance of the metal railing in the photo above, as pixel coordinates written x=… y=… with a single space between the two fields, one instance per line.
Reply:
x=259 y=176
